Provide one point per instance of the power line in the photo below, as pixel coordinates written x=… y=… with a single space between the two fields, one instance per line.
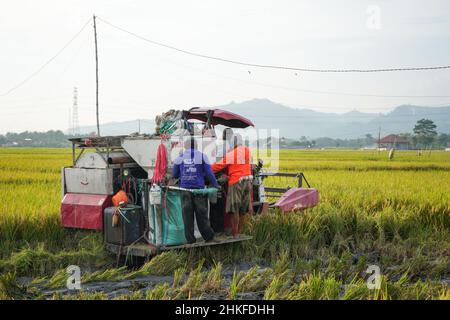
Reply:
x=17 y=86
x=269 y=85
x=294 y=89
x=324 y=119
x=341 y=93
x=142 y=106
x=271 y=66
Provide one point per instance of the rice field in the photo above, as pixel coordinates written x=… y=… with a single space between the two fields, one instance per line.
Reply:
x=394 y=214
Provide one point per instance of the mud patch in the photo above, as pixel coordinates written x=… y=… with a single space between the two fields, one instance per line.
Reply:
x=113 y=289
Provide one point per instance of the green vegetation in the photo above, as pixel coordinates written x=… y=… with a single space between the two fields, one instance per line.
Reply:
x=50 y=138
x=425 y=132
x=423 y=135
x=391 y=213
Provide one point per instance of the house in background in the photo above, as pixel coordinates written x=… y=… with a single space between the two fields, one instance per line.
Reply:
x=394 y=141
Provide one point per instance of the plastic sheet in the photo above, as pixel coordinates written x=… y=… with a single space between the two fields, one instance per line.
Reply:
x=166 y=220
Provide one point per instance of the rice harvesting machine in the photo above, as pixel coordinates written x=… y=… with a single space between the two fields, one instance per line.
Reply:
x=151 y=221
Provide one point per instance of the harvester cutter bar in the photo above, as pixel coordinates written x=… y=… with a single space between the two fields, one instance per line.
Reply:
x=300 y=176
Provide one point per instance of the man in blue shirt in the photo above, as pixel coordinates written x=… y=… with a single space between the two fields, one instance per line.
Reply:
x=192 y=167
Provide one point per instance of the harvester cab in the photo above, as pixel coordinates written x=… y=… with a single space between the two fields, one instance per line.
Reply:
x=149 y=218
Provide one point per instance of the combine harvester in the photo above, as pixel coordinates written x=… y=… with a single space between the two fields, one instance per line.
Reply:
x=149 y=218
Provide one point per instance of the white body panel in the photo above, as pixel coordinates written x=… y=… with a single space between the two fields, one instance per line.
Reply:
x=92 y=160
x=143 y=150
x=91 y=181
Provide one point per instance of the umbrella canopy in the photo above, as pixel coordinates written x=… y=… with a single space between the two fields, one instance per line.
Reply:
x=218 y=116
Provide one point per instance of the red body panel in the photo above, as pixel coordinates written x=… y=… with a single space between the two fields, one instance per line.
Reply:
x=298 y=199
x=84 y=211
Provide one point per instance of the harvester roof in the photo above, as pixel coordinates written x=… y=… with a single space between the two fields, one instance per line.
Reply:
x=218 y=116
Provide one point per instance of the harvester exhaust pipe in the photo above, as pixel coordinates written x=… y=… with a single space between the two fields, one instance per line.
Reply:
x=119 y=159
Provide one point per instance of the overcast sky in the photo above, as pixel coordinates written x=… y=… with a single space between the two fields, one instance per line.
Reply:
x=139 y=80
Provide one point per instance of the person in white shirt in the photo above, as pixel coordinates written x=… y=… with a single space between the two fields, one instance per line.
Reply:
x=226 y=144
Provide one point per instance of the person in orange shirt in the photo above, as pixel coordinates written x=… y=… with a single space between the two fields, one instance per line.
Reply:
x=237 y=163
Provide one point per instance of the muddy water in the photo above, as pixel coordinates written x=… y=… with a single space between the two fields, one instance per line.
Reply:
x=116 y=288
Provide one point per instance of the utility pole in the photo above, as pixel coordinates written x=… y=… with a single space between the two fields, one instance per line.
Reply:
x=70 y=130
x=139 y=126
x=75 y=123
x=96 y=77
x=379 y=138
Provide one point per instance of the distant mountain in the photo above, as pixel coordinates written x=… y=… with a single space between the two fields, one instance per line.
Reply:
x=121 y=128
x=294 y=123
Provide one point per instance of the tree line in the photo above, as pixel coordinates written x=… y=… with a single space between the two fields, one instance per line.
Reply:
x=424 y=135
x=52 y=138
